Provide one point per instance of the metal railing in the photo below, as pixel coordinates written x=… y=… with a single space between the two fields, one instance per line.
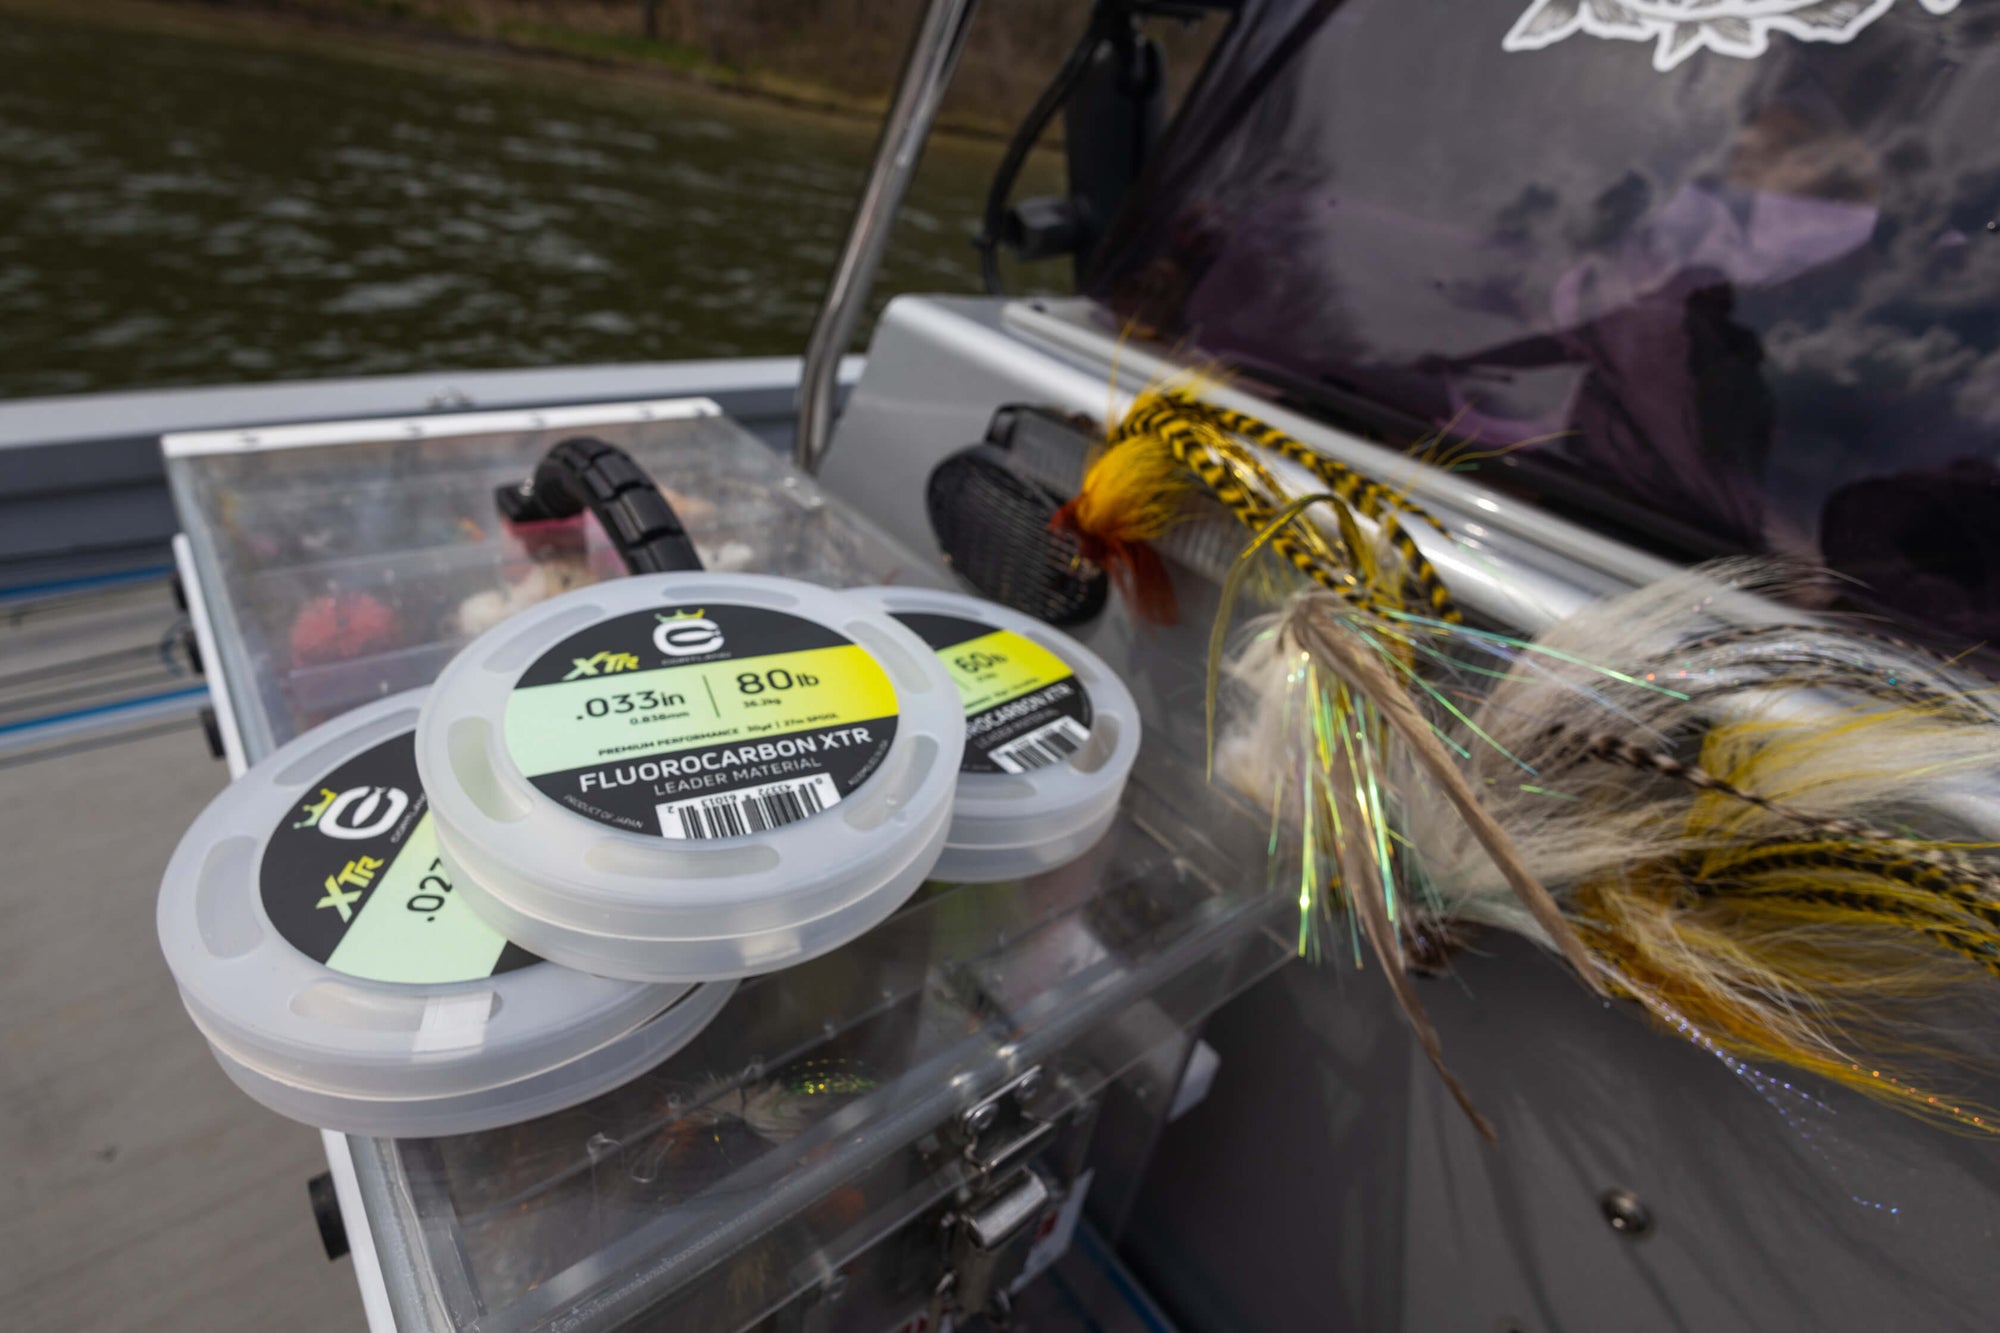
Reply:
x=933 y=56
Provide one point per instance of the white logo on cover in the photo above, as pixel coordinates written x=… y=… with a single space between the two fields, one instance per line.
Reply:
x=363 y=812
x=686 y=636
x=1679 y=28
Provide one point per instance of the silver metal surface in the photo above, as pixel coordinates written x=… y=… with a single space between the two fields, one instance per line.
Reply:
x=990 y=1239
x=748 y=388
x=1001 y=1131
x=992 y=1223
x=933 y=55
x=1767 y=1201
x=1482 y=519
x=939 y=366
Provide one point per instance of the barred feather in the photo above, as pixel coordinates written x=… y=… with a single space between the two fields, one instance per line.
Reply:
x=1755 y=856
x=1132 y=494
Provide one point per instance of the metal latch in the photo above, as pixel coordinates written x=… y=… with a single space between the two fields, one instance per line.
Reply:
x=990 y=1241
x=1003 y=1130
x=992 y=1231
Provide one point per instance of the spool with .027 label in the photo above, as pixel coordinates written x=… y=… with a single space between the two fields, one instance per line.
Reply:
x=1051 y=734
x=327 y=954
x=681 y=777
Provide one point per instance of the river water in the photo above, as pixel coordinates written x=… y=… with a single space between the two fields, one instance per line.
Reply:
x=268 y=203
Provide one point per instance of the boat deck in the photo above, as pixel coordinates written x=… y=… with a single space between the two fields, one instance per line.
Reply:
x=144 y=1190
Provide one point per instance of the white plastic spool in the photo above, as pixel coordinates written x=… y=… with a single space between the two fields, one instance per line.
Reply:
x=1010 y=825
x=359 y=1054
x=641 y=902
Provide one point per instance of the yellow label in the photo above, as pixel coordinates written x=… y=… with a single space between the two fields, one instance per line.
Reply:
x=414 y=927
x=998 y=667
x=571 y=724
x=736 y=720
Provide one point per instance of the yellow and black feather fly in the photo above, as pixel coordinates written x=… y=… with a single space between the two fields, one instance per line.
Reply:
x=1701 y=802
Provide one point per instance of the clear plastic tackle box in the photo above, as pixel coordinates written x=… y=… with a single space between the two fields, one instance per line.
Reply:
x=887 y=1134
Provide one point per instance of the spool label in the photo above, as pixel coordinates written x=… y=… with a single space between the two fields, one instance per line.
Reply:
x=1024 y=708
x=712 y=721
x=352 y=879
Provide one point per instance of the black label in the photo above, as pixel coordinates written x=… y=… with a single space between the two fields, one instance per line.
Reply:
x=353 y=880
x=1024 y=708
x=709 y=721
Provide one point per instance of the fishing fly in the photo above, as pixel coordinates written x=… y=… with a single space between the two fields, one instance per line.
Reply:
x=1700 y=801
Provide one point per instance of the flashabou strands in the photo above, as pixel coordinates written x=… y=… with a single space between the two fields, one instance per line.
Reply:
x=1363 y=609
x=1722 y=811
x=1347 y=646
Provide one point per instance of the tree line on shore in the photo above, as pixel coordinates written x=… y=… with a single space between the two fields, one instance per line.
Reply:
x=841 y=53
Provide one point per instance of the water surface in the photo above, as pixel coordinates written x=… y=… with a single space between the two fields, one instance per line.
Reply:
x=186 y=209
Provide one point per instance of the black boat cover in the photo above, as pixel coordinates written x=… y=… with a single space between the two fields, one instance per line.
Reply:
x=1720 y=275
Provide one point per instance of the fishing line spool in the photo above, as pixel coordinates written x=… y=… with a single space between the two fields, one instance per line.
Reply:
x=691 y=776
x=1051 y=735
x=328 y=956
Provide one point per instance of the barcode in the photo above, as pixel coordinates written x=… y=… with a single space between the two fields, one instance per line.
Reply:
x=1045 y=745
x=739 y=813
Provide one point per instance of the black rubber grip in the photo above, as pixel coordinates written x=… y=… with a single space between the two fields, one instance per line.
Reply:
x=326 y=1213
x=585 y=472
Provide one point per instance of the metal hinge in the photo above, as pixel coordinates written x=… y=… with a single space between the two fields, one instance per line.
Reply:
x=1003 y=1130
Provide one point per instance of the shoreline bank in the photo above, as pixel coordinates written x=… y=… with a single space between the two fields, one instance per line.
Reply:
x=359 y=28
